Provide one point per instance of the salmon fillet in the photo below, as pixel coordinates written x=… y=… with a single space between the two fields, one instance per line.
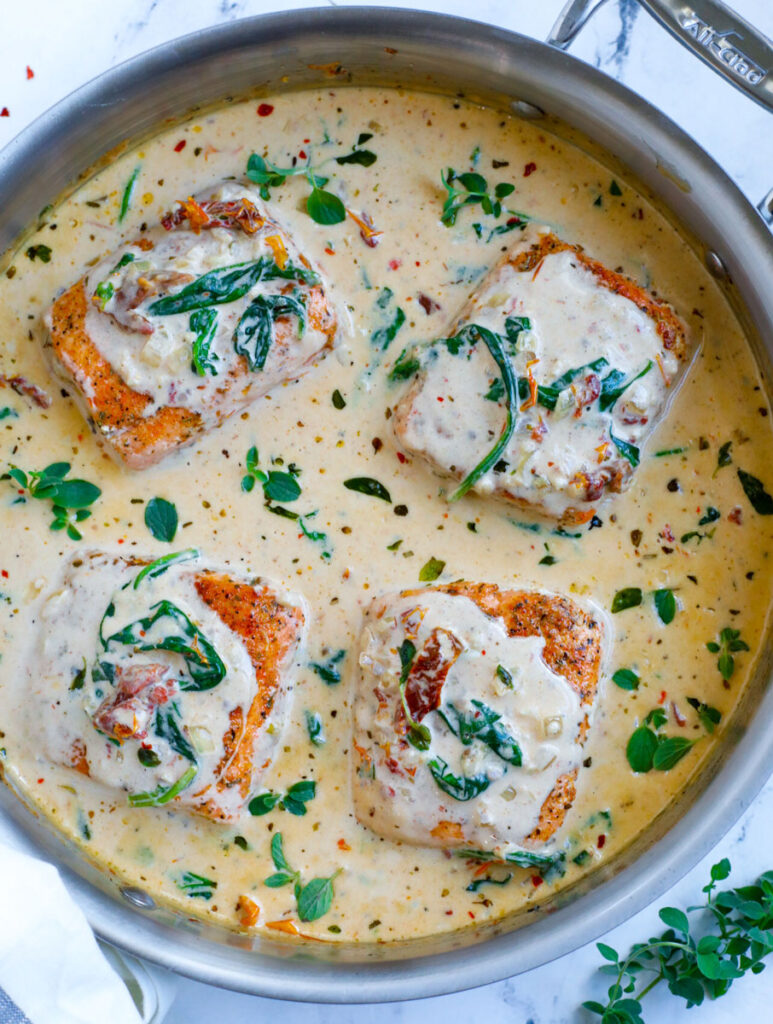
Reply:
x=594 y=360
x=512 y=666
x=125 y=335
x=162 y=683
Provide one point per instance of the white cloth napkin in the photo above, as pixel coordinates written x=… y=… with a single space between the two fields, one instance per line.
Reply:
x=50 y=963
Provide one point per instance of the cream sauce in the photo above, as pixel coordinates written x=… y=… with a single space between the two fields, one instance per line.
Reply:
x=386 y=891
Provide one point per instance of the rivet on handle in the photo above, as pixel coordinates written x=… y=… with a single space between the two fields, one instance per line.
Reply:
x=138 y=898
x=528 y=111
x=715 y=265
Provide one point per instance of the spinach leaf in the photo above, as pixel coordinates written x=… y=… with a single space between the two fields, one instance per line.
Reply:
x=470 y=335
x=418 y=735
x=367 y=485
x=204 y=666
x=614 y=384
x=314 y=728
x=163 y=794
x=161 y=519
x=460 y=787
x=227 y=284
x=383 y=337
x=126 y=198
x=760 y=500
x=627 y=450
x=406 y=365
x=478 y=883
x=547 y=395
x=254 y=333
x=724 y=458
x=167 y=726
x=328 y=671
x=160 y=565
x=204 y=323
x=482 y=725
x=196 y=885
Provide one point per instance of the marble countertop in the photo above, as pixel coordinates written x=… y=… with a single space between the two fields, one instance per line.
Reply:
x=48 y=48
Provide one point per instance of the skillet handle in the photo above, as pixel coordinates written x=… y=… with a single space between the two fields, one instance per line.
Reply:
x=723 y=40
x=715 y=34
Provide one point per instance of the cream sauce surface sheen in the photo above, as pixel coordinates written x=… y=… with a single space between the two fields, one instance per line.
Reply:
x=333 y=424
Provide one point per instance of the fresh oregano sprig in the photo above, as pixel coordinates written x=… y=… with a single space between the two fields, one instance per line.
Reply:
x=729 y=643
x=695 y=962
x=69 y=498
x=314 y=898
x=277 y=484
x=294 y=800
x=322 y=206
x=470 y=189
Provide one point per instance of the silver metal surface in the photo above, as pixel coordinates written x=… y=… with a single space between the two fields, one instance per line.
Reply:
x=715 y=33
x=723 y=40
x=765 y=207
x=448 y=55
x=572 y=19
x=715 y=265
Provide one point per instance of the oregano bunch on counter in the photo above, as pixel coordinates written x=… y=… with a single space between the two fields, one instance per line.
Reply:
x=702 y=953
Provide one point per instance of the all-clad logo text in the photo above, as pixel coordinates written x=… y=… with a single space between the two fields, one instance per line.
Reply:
x=722 y=46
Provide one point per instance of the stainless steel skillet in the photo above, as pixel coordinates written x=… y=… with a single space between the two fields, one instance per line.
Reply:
x=448 y=55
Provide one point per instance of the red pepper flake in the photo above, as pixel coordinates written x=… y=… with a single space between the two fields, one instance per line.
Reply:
x=4 y=573
x=265 y=109
x=440 y=399
x=302 y=154
x=180 y=146
x=307 y=141
x=735 y=515
x=120 y=540
x=343 y=845
x=330 y=252
x=5 y=112
x=41 y=780
x=662 y=698
x=472 y=916
x=394 y=264
x=30 y=73
x=537 y=880
x=600 y=841
x=448 y=913
x=529 y=169
x=400 y=457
